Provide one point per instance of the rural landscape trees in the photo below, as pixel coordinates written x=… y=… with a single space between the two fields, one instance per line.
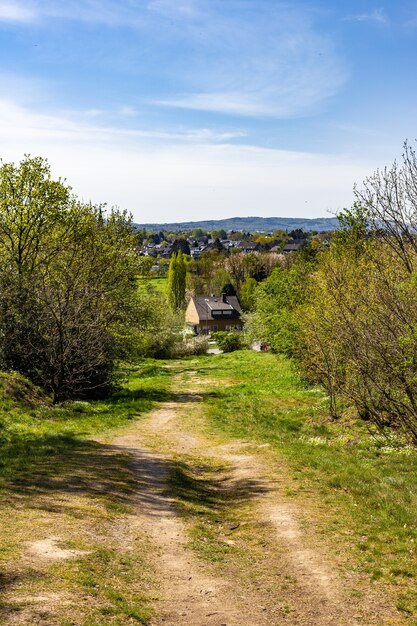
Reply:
x=342 y=307
x=82 y=304
x=67 y=283
x=355 y=330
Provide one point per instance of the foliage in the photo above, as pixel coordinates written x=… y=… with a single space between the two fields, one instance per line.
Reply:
x=228 y=289
x=229 y=341
x=247 y=293
x=189 y=346
x=181 y=245
x=67 y=283
x=145 y=264
x=359 y=331
x=358 y=325
x=158 y=325
x=177 y=276
x=256 y=265
x=274 y=320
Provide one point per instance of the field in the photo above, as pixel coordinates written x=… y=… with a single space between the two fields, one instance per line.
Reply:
x=73 y=536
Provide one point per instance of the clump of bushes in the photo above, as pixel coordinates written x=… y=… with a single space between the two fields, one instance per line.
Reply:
x=229 y=341
x=189 y=347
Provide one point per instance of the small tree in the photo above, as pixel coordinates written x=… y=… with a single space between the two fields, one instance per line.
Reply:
x=229 y=341
x=67 y=283
x=177 y=278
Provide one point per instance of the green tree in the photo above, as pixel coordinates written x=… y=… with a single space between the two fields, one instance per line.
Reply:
x=177 y=277
x=67 y=283
x=247 y=293
x=31 y=206
x=274 y=320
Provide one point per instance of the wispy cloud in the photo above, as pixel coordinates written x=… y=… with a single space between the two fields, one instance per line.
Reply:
x=93 y=126
x=16 y=12
x=263 y=60
x=110 y=12
x=187 y=176
x=241 y=57
x=377 y=15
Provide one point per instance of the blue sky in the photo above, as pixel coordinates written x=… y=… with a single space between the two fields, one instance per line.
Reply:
x=191 y=109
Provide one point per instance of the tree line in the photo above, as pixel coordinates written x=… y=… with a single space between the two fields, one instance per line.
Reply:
x=347 y=312
x=67 y=283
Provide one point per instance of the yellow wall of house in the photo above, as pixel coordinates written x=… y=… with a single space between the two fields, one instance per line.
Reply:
x=191 y=315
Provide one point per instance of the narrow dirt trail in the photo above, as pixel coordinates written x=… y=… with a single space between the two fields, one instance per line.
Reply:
x=188 y=595
x=296 y=583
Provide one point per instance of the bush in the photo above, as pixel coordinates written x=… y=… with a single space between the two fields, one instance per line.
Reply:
x=229 y=341
x=189 y=347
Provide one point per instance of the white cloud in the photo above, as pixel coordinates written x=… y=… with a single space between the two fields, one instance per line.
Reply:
x=234 y=103
x=377 y=15
x=90 y=126
x=244 y=58
x=258 y=61
x=15 y=12
x=187 y=178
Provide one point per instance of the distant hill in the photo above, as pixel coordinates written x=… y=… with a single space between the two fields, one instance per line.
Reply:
x=250 y=224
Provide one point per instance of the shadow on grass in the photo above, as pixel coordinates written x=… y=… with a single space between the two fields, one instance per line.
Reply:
x=44 y=473
x=133 y=395
x=58 y=468
x=210 y=490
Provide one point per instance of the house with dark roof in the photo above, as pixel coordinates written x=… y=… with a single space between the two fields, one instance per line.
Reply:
x=294 y=246
x=209 y=314
x=250 y=246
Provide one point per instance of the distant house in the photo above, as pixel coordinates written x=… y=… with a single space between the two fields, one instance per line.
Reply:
x=196 y=252
x=209 y=314
x=294 y=246
x=249 y=246
x=166 y=250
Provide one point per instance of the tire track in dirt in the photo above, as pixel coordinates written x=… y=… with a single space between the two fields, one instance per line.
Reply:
x=318 y=586
x=189 y=597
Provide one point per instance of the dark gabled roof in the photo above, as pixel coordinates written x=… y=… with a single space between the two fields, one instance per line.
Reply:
x=207 y=305
x=294 y=246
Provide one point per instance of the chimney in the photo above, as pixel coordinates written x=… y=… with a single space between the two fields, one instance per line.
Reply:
x=224 y=297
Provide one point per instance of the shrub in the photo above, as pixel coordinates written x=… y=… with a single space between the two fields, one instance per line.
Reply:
x=189 y=347
x=229 y=341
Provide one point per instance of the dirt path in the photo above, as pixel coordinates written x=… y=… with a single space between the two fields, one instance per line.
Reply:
x=188 y=595
x=294 y=581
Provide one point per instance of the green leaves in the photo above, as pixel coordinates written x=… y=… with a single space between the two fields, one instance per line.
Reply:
x=177 y=276
x=67 y=283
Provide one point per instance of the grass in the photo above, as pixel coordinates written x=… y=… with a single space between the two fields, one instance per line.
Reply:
x=159 y=284
x=363 y=487
x=34 y=430
x=195 y=483
x=58 y=481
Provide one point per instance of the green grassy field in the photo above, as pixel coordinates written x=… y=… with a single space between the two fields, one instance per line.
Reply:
x=365 y=485
x=159 y=284
x=58 y=481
